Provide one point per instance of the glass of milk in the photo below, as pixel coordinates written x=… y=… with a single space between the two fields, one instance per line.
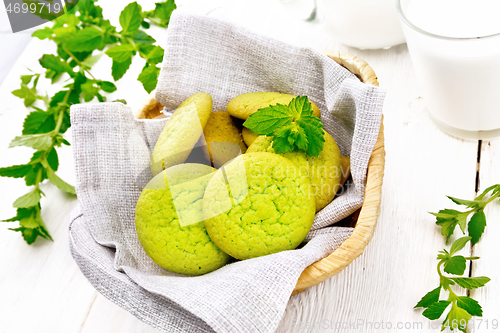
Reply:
x=365 y=24
x=455 y=49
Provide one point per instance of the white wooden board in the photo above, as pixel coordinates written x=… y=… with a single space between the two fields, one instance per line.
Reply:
x=42 y=290
x=489 y=246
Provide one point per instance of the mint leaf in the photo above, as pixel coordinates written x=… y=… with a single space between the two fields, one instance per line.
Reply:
x=29 y=222
x=120 y=53
x=52 y=75
x=89 y=91
x=447 y=214
x=43 y=232
x=61 y=184
x=28 y=200
x=471 y=282
x=92 y=60
x=88 y=7
x=32 y=225
x=476 y=226
x=61 y=35
x=43 y=33
x=68 y=19
x=300 y=106
x=80 y=56
x=468 y=203
x=58 y=98
x=66 y=122
x=21 y=214
x=118 y=69
x=130 y=19
x=52 y=159
x=447 y=227
x=314 y=133
x=149 y=77
x=435 y=310
x=143 y=38
x=462 y=221
x=448 y=220
x=38 y=122
x=26 y=79
x=429 y=298
x=281 y=145
x=107 y=86
x=31 y=176
x=36 y=157
x=87 y=39
x=29 y=95
x=455 y=265
x=50 y=61
x=470 y=305
x=267 y=120
x=457 y=318
x=29 y=235
x=35 y=141
x=155 y=55
x=60 y=140
x=459 y=244
x=163 y=11
x=301 y=142
x=15 y=171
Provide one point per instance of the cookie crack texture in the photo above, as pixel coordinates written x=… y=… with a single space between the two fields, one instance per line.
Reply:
x=274 y=211
x=324 y=171
x=174 y=195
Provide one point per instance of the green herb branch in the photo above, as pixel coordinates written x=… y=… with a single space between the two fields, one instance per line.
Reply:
x=448 y=219
x=292 y=126
x=81 y=36
x=474 y=221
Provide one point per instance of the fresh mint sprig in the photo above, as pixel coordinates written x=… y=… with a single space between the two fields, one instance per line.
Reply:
x=473 y=219
x=292 y=126
x=81 y=35
x=461 y=308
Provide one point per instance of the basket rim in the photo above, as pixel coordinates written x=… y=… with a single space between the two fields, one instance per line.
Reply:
x=354 y=246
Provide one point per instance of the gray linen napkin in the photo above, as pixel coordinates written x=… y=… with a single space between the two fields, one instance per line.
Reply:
x=112 y=152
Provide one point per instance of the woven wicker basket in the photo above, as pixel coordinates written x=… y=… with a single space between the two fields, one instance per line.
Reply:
x=368 y=215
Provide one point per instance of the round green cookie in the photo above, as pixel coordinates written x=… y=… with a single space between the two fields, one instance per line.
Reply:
x=169 y=221
x=181 y=132
x=324 y=171
x=258 y=204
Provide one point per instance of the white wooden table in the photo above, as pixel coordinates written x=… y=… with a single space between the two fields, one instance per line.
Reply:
x=42 y=289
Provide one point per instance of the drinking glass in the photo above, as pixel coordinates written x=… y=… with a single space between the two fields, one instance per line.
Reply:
x=457 y=77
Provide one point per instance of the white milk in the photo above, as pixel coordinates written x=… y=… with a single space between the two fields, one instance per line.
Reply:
x=459 y=79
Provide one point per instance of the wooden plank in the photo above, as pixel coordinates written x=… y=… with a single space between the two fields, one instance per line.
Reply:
x=398 y=266
x=41 y=288
x=489 y=246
